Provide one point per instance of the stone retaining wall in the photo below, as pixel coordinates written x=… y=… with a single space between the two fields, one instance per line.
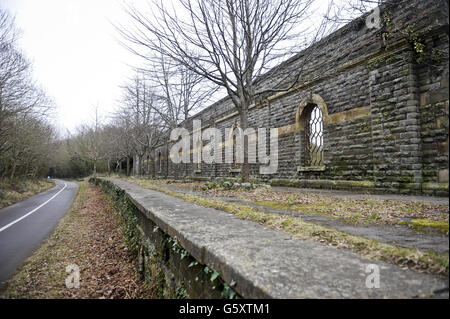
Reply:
x=385 y=108
x=187 y=250
x=171 y=271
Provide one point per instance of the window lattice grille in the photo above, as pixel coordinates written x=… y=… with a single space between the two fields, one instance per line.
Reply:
x=314 y=138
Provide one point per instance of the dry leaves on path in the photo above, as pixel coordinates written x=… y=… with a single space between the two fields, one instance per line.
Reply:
x=90 y=236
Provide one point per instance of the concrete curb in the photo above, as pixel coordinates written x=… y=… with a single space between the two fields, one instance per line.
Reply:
x=264 y=263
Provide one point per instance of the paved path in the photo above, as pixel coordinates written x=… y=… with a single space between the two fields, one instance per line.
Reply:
x=339 y=193
x=24 y=225
x=265 y=263
x=398 y=235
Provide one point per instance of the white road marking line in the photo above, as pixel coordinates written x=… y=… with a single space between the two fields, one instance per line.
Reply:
x=28 y=214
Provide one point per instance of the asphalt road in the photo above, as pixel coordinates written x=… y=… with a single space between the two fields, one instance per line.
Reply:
x=24 y=225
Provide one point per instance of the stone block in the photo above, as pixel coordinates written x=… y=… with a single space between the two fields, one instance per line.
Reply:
x=443 y=176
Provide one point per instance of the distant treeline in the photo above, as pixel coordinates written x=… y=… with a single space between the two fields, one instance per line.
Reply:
x=26 y=138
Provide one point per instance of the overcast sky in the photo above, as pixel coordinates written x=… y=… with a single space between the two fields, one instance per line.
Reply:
x=74 y=53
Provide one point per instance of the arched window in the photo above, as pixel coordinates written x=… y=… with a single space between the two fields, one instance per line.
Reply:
x=311 y=120
x=313 y=136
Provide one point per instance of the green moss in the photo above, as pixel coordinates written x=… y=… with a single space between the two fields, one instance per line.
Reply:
x=320 y=183
x=406 y=179
x=312 y=208
x=364 y=184
x=373 y=64
x=409 y=186
x=423 y=223
x=324 y=208
x=435 y=186
x=284 y=182
x=278 y=205
x=342 y=165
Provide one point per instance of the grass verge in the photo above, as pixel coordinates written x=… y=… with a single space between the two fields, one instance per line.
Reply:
x=415 y=259
x=13 y=191
x=421 y=216
x=90 y=235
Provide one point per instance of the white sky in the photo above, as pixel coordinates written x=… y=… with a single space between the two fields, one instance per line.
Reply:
x=75 y=56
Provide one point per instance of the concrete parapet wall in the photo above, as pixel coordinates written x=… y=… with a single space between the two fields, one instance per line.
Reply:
x=198 y=252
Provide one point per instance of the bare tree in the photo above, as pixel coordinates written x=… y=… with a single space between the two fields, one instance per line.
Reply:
x=29 y=147
x=179 y=92
x=142 y=124
x=87 y=144
x=23 y=131
x=228 y=42
x=111 y=136
x=124 y=149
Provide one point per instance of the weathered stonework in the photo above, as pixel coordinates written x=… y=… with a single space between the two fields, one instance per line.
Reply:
x=188 y=250
x=162 y=262
x=385 y=113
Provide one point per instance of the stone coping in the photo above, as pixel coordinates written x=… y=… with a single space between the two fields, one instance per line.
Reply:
x=263 y=263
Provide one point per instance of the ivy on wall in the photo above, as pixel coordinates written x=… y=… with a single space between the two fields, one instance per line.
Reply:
x=414 y=37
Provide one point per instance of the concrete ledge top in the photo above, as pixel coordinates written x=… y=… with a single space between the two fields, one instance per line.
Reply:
x=265 y=263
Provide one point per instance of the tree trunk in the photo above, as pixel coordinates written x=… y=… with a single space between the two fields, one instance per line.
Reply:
x=245 y=169
x=13 y=169
x=167 y=161
x=153 y=166
x=128 y=166
x=95 y=169
x=117 y=168
x=139 y=166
